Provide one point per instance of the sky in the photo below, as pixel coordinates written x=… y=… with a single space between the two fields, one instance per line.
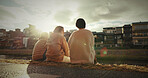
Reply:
x=47 y=14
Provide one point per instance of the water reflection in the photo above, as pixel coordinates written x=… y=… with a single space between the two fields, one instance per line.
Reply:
x=10 y=70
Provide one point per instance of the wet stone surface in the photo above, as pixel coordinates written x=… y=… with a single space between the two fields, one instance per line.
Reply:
x=9 y=70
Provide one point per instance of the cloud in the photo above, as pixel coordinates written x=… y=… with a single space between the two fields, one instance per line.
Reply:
x=97 y=13
x=63 y=16
x=96 y=10
x=9 y=3
x=56 y=12
x=4 y=14
x=100 y=25
x=112 y=12
x=13 y=14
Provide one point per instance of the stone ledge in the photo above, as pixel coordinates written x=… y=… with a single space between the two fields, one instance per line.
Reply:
x=120 y=67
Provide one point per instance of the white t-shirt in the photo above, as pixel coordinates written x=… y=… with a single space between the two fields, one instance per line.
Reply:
x=81 y=44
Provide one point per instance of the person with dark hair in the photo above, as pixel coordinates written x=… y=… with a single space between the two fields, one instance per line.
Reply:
x=81 y=44
x=80 y=23
x=57 y=47
x=40 y=47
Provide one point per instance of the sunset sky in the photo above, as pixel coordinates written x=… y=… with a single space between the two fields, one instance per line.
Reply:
x=47 y=14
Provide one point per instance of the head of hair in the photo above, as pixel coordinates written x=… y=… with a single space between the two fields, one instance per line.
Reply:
x=80 y=23
x=58 y=29
x=44 y=35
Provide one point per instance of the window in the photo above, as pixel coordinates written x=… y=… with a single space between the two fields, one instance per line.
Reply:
x=140 y=27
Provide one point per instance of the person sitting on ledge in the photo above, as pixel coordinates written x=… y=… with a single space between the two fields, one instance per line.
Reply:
x=81 y=44
x=57 y=47
x=40 y=48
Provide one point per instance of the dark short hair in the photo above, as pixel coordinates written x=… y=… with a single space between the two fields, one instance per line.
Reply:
x=80 y=23
x=58 y=29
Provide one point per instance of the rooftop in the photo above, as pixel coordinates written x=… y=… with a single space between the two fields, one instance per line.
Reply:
x=128 y=25
x=109 y=28
x=140 y=22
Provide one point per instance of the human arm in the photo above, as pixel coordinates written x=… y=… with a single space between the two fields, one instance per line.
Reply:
x=65 y=47
x=93 y=42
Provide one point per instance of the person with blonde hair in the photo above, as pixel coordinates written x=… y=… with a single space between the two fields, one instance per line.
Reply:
x=57 y=47
x=40 y=48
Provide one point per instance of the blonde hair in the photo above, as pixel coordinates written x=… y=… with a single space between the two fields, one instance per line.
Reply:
x=44 y=35
x=58 y=29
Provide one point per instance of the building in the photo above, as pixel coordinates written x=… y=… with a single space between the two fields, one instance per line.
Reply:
x=118 y=37
x=67 y=35
x=127 y=35
x=140 y=34
x=11 y=39
x=3 y=39
x=113 y=36
x=118 y=30
x=31 y=36
x=99 y=39
x=109 y=37
x=2 y=32
x=15 y=38
x=31 y=31
x=109 y=40
x=109 y=30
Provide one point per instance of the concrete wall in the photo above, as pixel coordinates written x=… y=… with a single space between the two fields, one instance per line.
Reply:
x=118 y=52
x=16 y=51
x=127 y=52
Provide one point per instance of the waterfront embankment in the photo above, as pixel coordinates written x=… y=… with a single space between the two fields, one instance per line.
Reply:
x=114 y=56
x=110 y=52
